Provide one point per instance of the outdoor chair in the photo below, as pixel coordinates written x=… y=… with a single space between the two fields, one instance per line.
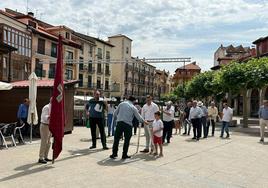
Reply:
x=7 y=131
x=18 y=130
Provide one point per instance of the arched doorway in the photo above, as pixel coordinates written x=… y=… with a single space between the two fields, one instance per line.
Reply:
x=254 y=103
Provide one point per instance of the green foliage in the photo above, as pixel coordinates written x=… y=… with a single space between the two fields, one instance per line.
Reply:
x=234 y=77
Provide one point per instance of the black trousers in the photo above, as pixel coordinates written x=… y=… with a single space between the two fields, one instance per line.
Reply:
x=121 y=128
x=213 y=126
x=197 y=127
x=25 y=131
x=93 y=124
x=167 y=132
x=135 y=123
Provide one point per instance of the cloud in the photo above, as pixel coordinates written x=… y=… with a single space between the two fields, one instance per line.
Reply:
x=160 y=28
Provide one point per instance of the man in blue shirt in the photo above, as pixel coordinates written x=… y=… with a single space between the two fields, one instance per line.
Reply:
x=263 y=115
x=96 y=117
x=22 y=115
x=125 y=113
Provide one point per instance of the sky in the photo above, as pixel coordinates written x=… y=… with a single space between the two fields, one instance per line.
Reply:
x=159 y=28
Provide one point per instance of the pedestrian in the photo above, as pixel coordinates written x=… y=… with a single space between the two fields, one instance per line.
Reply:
x=186 y=119
x=96 y=117
x=110 y=112
x=158 y=134
x=203 y=118
x=125 y=113
x=212 y=117
x=195 y=118
x=148 y=111
x=22 y=115
x=263 y=115
x=226 y=119
x=168 y=120
x=45 y=134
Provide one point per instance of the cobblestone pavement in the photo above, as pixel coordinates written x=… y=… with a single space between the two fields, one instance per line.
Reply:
x=213 y=162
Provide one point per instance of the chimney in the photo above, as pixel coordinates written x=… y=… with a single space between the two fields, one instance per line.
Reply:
x=31 y=14
x=194 y=63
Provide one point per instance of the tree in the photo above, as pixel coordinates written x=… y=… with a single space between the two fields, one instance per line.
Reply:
x=239 y=77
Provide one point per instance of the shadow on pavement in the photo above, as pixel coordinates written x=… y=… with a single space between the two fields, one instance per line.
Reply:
x=29 y=169
x=119 y=161
x=26 y=170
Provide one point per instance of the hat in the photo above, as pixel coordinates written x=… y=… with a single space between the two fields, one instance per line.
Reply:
x=169 y=102
x=199 y=103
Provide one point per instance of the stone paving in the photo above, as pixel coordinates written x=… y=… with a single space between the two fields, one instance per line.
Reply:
x=213 y=162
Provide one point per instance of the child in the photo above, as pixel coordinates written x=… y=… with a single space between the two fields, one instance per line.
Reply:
x=158 y=133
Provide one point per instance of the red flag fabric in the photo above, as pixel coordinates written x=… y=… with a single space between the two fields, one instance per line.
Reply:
x=57 y=118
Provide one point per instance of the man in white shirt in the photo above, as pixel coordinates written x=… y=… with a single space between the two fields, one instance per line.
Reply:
x=148 y=111
x=195 y=117
x=168 y=120
x=45 y=134
x=226 y=119
x=212 y=115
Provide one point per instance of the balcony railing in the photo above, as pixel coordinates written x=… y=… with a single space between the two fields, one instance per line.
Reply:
x=129 y=67
x=91 y=70
x=107 y=72
x=99 y=71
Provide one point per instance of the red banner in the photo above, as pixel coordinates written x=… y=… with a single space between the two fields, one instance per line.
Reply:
x=57 y=118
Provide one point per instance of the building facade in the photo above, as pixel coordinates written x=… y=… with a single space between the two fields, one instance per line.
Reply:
x=15 y=34
x=185 y=73
x=162 y=79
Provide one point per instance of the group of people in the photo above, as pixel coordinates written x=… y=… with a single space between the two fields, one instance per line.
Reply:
x=125 y=116
x=196 y=114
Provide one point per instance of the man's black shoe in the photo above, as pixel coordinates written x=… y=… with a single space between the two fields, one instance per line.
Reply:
x=113 y=156
x=184 y=134
x=105 y=148
x=126 y=157
x=92 y=147
x=48 y=160
x=42 y=161
x=193 y=138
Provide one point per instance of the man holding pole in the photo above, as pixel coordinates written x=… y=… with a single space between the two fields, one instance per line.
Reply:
x=148 y=111
x=124 y=114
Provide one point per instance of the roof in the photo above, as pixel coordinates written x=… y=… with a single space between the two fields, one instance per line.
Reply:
x=120 y=35
x=58 y=27
x=41 y=83
x=102 y=41
x=83 y=36
x=260 y=39
x=191 y=66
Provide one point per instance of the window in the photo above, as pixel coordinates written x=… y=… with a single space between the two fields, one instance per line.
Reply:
x=106 y=84
x=90 y=51
x=108 y=57
x=4 y=66
x=99 y=55
x=98 y=83
x=82 y=49
x=69 y=74
x=31 y=23
x=41 y=46
x=127 y=50
x=69 y=57
x=53 y=50
x=38 y=68
x=80 y=80
x=107 y=71
x=81 y=65
x=67 y=35
x=52 y=69
x=89 y=80
x=99 y=68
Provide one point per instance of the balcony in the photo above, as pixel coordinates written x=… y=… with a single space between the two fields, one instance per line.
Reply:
x=99 y=71
x=142 y=72
x=107 y=72
x=91 y=70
